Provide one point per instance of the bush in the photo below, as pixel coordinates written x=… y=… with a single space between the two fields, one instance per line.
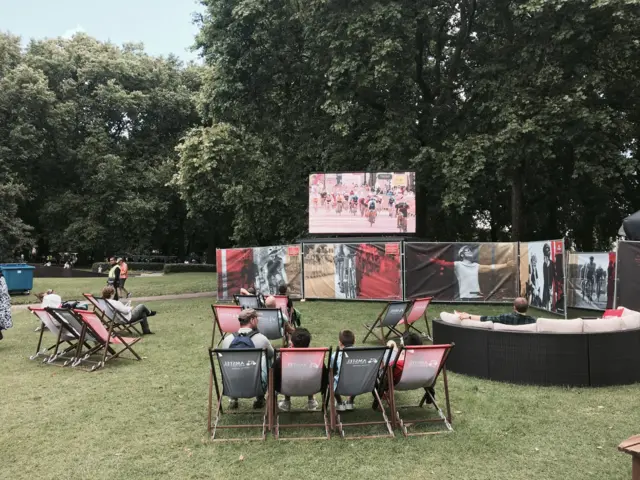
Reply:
x=149 y=267
x=188 y=267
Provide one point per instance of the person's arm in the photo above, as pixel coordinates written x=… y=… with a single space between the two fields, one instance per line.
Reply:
x=467 y=316
x=119 y=306
x=244 y=292
x=442 y=263
x=497 y=266
x=116 y=281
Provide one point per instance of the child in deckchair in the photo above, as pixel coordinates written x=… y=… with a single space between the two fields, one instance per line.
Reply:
x=346 y=339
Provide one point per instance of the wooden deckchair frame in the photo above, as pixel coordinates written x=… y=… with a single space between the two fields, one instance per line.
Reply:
x=123 y=325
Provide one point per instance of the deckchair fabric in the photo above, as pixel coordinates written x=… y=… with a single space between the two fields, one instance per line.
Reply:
x=418 y=310
x=248 y=301
x=107 y=313
x=389 y=318
x=241 y=377
x=226 y=320
x=282 y=302
x=421 y=369
x=271 y=323
x=52 y=353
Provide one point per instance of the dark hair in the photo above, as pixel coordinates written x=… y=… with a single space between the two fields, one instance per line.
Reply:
x=282 y=289
x=301 y=338
x=251 y=290
x=347 y=338
x=411 y=338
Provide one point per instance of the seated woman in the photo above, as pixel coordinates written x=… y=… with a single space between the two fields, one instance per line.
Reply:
x=139 y=312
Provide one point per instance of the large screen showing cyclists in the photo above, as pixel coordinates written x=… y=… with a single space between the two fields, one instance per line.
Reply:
x=263 y=268
x=382 y=202
x=590 y=280
x=353 y=271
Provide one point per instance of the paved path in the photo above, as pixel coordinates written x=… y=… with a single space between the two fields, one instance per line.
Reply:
x=182 y=296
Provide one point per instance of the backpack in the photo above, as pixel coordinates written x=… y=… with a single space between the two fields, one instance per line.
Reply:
x=242 y=340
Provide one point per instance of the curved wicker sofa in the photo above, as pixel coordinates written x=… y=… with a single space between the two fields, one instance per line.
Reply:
x=587 y=357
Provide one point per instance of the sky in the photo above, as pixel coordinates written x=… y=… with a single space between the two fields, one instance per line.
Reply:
x=164 y=26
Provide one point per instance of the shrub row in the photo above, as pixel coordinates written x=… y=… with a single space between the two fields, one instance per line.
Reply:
x=149 y=267
x=188 y=267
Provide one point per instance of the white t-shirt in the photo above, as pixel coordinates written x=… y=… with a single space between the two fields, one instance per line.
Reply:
x=467 y=276
x=51 y=301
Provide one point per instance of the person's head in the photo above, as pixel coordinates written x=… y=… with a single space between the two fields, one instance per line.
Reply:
x=465 y=253
x=346 y=338
x=49 y=292
x=112 y=260
x=411 y=338
x=520 y=305
x=301 y=338
x=591 y=259
x=248 y=318
x=546 y=250
x=120 y=260
x=270 y=302
x=251 y=290
x=534 y=260
x=282 y=289
x=108 y=292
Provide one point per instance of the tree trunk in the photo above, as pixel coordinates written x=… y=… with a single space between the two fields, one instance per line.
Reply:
x=516 y=203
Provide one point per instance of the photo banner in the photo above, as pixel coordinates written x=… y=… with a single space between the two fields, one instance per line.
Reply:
x=353 y=271
x=628 y=286
x=591 y=280
x=263 y=268
x=462 y=272
x=542 y=275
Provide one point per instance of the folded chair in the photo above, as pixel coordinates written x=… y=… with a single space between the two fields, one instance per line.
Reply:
x=303 y=372
x=93 y=330
x=225 y=318
x=418 y=310
x=271 y=323
x=359 y=374
x=107 y=314
x=248 y=301
x=240 y=377
x=422 y=366
x=389 y=318
x=53 y=353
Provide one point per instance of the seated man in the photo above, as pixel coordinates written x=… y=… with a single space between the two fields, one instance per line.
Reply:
x=517 y=317
x=300 y=338
x=49 y=299
x=248 y=319
x=270 y=302
x=130 y=314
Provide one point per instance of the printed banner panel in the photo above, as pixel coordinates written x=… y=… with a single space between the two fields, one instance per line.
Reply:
x=591 y=280
x=542 y=273
x=628 y=275
x=263 y=268
x=465 y=272
x=357 y=271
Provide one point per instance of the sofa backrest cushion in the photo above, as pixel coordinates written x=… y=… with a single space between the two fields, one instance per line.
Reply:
x=450 y=318
x=477 y=324
x=630 y=322
x=607 y=324
x=531 y=327
x=554 y=325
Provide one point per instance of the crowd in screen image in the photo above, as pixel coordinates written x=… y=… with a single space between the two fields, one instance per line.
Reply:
x=362 y=202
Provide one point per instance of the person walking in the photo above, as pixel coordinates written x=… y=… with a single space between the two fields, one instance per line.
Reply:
x=5 y=306
x=124 y=274
x=113 y=280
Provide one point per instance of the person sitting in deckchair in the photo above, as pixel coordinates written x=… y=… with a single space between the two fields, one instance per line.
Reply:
x=346 y=339
x=270 y=302
x=139 y=312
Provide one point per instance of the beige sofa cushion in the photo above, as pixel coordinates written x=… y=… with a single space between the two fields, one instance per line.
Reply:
x=608 y=324
x=450 y=318
x=554 y=325
x=626 y=311
x=630 y=322
x=477 y=324
x=531 y=327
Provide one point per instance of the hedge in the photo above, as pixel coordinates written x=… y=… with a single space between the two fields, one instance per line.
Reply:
x=188 y=267
x=149 y=267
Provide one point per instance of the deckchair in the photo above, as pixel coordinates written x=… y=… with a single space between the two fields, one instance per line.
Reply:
x=52 y=354
x=271 y=323
x=359 y=373
x=248 y=301
x=108 y=314
x=225 y=318
x=282 y=302
x=93 y=330
x=303 y=372
x=240 y=377
x=418 y=310
x=389 y=318
x=422 y=366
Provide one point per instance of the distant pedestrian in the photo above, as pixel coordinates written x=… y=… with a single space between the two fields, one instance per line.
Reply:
x=124 y=274
x=5 y=306
x=113 y=280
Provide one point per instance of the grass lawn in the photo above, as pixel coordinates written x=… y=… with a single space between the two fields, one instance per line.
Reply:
x=142 y=420
x=73 y=288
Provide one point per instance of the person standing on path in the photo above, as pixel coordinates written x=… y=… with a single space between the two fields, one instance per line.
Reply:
x=113 y=280
x=124 y=274
x=5 y=306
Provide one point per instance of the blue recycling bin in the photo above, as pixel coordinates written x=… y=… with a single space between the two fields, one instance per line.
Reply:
x=19 y=277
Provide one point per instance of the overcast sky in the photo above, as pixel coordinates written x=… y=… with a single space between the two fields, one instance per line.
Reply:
x=164 y=26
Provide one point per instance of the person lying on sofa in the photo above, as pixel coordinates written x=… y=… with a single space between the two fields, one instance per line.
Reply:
x=517 y=317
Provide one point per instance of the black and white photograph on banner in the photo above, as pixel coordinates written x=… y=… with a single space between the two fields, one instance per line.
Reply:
x=542 y=274
x=346 y=274
x=270 y=271
x=588 y=280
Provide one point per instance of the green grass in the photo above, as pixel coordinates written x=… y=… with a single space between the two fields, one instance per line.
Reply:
x=73 y=288
x=142 y=420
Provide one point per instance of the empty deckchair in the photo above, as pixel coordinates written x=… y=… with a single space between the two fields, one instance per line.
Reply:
x=225 y=319
x=107 y=313
x=271 y=323
x=389 y=318
x=241 y=376
x=359 y=371
x=302 y=372
x=53 y=353
x=418 y=310
x=421 y=367
x=248 y=301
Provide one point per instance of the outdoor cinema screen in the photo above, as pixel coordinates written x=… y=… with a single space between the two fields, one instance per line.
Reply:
x=381 y=202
